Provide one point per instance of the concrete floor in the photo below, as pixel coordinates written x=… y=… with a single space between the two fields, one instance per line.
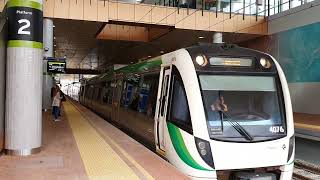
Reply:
x=62 y=156
x=58 y=160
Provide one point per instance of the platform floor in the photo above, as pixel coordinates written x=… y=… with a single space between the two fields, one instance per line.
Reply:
x=307 y=131
x=307 y=121
x=83 y=146
x=307 y=126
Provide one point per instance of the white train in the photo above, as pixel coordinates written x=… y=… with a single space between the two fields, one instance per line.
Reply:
x=214 y=111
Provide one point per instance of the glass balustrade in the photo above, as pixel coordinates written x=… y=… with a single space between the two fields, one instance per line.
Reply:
x=246 y=7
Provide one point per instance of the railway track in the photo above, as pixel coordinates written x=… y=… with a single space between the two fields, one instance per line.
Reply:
x=305 y=171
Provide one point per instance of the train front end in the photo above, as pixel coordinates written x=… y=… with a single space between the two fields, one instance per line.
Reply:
x=240 y=108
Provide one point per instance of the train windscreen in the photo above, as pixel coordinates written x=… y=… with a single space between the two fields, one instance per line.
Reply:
x=242 y=108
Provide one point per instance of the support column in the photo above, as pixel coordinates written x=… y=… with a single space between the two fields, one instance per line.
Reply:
x=24 y=77
x=217 y=37
x=3 y=49
x=48 y=53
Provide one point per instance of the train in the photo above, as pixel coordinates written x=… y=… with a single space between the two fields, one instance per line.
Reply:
x=214 y=111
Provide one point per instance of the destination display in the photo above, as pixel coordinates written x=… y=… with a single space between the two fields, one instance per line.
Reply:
x=56 y=67
x=226 y=61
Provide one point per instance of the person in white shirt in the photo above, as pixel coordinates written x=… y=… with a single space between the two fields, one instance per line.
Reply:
x=56 y=102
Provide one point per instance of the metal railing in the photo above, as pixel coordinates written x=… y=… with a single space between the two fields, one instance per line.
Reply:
x=245 y=7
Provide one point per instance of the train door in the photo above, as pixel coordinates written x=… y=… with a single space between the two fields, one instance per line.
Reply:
x=117 y=87
x=161 y=113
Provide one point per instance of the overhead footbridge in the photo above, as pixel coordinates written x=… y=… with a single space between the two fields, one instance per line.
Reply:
x=130 y=21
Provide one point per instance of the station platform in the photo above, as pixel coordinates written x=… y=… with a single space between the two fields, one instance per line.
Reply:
x=83 y=146
x=307 y=125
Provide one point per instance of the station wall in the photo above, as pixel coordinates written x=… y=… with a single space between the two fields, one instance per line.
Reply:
x=298 y=52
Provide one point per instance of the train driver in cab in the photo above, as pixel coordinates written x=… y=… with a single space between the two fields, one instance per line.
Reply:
x=219 y=105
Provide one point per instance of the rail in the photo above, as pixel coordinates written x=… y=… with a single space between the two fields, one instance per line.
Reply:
x=305 y=171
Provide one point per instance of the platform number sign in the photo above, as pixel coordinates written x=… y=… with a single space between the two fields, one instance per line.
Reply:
x=23 y=29
x=25 y=24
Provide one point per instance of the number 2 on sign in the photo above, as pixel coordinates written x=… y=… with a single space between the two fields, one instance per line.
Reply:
x=22 y=28
x=276 y=129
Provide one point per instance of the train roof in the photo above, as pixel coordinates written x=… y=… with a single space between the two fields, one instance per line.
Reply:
x=222 y=49
x=201 y=48
x=143 y=66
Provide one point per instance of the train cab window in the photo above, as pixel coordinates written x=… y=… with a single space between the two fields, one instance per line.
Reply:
x=179 y=112
x=250 y=101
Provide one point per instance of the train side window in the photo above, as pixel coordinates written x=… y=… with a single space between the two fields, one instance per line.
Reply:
x=99 y=93
x=140 y=93
x=86 y=91
x=81 y=91
x=107 y=93
x=148 y=94
x=96 y=93
x=89 y=92
x=179 y=112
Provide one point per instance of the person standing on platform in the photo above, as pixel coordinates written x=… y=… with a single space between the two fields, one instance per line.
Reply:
x=63 y=98
x=56 y=103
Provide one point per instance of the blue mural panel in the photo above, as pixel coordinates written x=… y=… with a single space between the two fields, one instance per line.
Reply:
x=298 y=52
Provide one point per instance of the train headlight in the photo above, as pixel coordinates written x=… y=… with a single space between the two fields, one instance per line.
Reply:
x=201 y=60
x=265 y=63
x=204 y=150
x=201 y=145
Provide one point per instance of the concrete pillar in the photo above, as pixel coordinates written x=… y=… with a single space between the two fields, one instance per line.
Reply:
x=218 y=8
x=47 y=83
x=48 y=37
x=24 y=77
x=217 y=37
x=48 y=53
x=3 y=49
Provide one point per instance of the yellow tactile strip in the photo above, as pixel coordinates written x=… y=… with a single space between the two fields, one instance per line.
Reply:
x=307 y=126
x=99 y=159
x=111 y=142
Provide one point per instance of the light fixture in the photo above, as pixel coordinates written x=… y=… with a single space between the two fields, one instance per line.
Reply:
x=54 y=37
x=201 y=37
x=203 y=152
x=265 y=63
x=161 y=52
x=55 y=45
x=53 y=26
x=201 y=60
x=149 y=56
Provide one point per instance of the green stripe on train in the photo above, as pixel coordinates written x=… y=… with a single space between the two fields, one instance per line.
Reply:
x=154 y=63
x=24 y=3
x=181 y=149
x=142 y=66
x=28 y=44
